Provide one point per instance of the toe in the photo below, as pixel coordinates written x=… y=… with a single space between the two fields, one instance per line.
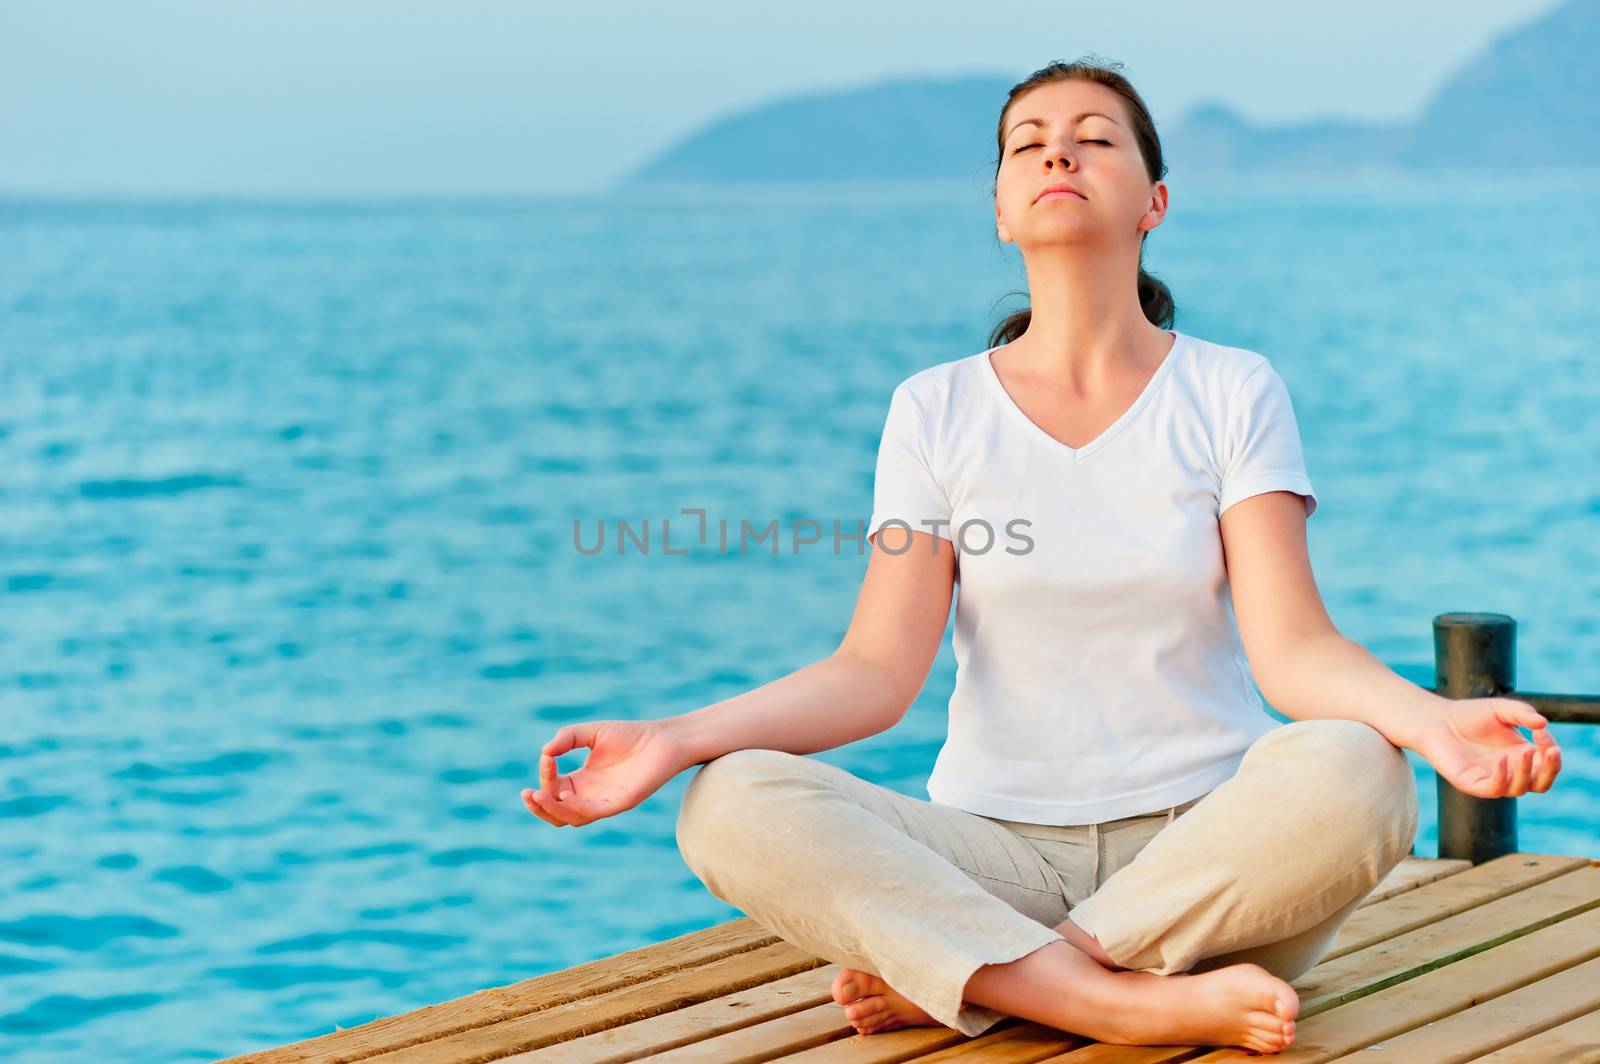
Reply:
x=1265 y=1045
x=1266 y=1029
x=863 y=1009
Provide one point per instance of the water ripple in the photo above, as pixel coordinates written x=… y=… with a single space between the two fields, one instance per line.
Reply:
x=136 y=488
x=57 y=1012
x=82 y=932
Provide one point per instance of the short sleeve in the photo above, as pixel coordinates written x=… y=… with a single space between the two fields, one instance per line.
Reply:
x=1261 y=447
x=904 y=486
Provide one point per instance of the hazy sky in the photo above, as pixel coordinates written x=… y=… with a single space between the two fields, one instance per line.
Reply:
x=349 y=97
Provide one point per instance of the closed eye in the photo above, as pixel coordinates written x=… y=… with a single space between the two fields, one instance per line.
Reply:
x=1025 y=147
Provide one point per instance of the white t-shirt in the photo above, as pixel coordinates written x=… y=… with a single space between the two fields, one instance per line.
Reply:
x=1099 y=670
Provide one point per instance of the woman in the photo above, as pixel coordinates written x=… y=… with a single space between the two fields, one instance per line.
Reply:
x=1121 y=843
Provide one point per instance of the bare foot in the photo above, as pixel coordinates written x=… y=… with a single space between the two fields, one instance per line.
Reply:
x=1240 y=1005
x=871 y=1005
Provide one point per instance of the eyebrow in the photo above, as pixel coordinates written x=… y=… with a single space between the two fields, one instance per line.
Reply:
x=1079 y=117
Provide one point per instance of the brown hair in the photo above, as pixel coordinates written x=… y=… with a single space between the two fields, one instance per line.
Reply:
x=1154 y=296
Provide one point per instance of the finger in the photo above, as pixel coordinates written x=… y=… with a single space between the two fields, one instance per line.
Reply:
x=582 y=808
x=1524 y=714
x=532 y=800
x=567 y=737
x=1540 y=770
x=1494 y=785
x=567 y=806
x=547 y=767
x=1502 y=775
x=1513 y=760
x=528 y=799
x=586 y=808
x=570 y=737
x=1550 y=760
x=553 y=808
x=1522 y=768
x=550 y=779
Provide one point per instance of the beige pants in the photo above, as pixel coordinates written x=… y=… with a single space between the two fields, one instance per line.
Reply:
x=1264 y=868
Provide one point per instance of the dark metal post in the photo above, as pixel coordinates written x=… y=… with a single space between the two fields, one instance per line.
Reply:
x=1474 y=656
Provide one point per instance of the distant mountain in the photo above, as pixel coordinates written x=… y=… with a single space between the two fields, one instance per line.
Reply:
x=1531 y=98
x=1535 y=91
x=896 y=130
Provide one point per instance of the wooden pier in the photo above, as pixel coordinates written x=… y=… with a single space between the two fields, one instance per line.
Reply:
x=1446 y=961
x=1481 y=954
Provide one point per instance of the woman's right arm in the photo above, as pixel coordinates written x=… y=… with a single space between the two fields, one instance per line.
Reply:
x=864 y=687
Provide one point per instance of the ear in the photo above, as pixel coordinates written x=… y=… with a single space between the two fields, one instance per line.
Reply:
x=1158 y=208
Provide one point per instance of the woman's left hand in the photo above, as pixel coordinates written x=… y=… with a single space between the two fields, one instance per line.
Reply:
x=1476 y=746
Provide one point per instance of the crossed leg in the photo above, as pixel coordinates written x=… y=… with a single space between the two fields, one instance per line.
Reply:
x=966 y=920
x=1268 y=866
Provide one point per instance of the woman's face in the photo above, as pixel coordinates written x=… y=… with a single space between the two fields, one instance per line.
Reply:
x=1082 y=138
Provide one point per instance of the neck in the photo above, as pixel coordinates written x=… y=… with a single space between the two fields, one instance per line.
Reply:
x=1087 y=326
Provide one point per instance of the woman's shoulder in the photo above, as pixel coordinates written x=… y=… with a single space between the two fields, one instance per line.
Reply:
x=1221 y=370
x=942 y=385
x=943 y=375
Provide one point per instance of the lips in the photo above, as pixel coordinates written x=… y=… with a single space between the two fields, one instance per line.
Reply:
x=1059 y=188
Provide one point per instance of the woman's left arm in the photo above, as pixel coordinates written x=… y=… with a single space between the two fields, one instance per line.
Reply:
x=1307 y=669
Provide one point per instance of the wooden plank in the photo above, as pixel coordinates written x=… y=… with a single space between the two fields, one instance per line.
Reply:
x=1413 y=872
x=1418 y=951
x=1574 y=1042
x=1457 y=893
x=1396 y=960
x=1105 y=1053
x=756 y=1008
x=775 y=1039
x=652 y=997
x=890 y=1047
x=1027 y=1043
x=494 y=1004
x=1495 y=1024
x=1442 y=992
x=815 y=1026
x=824 y=1034
x=1011 y=1041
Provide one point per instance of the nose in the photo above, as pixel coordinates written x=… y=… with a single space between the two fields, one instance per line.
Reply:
x=1059 y=154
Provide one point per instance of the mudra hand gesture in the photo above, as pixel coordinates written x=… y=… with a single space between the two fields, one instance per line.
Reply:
x=628 y=761
x=1476 y=746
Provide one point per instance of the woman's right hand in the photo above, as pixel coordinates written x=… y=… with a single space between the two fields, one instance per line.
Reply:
x=628 y=761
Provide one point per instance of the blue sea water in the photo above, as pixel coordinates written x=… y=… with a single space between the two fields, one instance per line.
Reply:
x=289 y=596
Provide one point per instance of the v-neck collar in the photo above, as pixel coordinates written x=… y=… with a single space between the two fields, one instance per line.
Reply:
x=1179 y=346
